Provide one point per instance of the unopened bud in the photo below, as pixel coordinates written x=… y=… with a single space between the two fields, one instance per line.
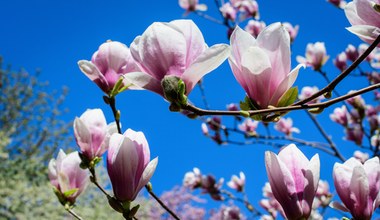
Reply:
x=115 y=204
x=327 y=95
x=316 y=110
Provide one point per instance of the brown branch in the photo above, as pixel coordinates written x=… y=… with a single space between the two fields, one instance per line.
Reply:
x=295 y=106
x=162 y=204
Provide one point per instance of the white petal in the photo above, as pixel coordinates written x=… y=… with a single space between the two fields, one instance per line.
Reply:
x=143 y=80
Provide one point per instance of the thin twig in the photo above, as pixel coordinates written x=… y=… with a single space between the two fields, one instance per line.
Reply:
x=247 y=204
x=326 y=136
x=95 y=181
x=208 y=17
x=162 y=203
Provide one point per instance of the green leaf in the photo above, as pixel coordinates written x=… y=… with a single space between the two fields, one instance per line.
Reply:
x=288 y=97
x=70 y=192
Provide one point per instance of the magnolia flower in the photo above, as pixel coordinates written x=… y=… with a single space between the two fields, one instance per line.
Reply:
x=315 y=56
x=285 y=125
x=293 y=179
x=67 y=177
x=232 y=107
x=355 y=134
x=262 y=65
x=341 y=61
x=255 y=27
x=362 y=157
x=351 y=52
x=128 y=164
x=249 y=9
x=228 y=11
x=92 y=133
x=175 y=49
x=340 y=116
x=363 y=47
x=192 y=5
x=375 y=140
x=249 y=126
x=237 y=183
x=204 y=129
x=322 y=195
x=358 y=187
x=293 y=30
x=357 y=101
x=364 y=16
x=193 y=179
x=308 y=91
x=112 y=60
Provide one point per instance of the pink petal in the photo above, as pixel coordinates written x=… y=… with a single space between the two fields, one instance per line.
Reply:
x=144 y=80
x=210 y=59
x=147 y=175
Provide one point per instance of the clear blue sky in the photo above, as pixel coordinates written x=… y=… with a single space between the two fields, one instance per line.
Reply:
x=54 y=35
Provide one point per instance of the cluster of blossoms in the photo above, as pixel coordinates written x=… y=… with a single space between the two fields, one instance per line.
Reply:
x=245 y=8
x=294 y=183
x=351 y=53
x=353 y=120
x=128 y=160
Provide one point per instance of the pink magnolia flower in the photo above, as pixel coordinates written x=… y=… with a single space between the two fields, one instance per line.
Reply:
x=351 y=52
x=249 y=126
x=255 y=27
x=315 y=55
x=364 y=18
x=293 y=30
x=128 y=164
x=293 y=179
x=355 y=134
x=112 y=60
x=363 y=47
x=358 y=187
x=66 y=175
x=262 y=65
x=175 y=49
x=249 y=9
x=341 y=61
x=193 y=179
x=308 y=91
x=357 y=101
x=228 y=11
x=237 y=183
x=204 y=129
x=362 y=157
x=375 y=140
x=92 y=133
x=285 y=125
x=232 y=107
x=323 y=195
x=340 y=116
x=192 y=5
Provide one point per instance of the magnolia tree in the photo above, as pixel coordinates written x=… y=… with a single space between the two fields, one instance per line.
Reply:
x=171 y=58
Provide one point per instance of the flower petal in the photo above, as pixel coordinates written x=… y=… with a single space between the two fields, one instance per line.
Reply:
x=144 y=80
x=210 y=59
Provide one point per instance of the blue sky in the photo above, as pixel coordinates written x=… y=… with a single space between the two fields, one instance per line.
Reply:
x=54 y=36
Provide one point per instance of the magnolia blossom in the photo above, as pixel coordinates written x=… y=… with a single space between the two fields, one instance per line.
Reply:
x=285 y=125
x=128 y=164
x=237 y=183
x=364 y=17
x=255 y=27
x=358 y=187
x=249 y=126
x=112 y=60
x=176 y=49
x=355 y=134
x=341 y=61
x=308 y=91
x=363 y=47
x=228 y=11
x=204 y=129
x=362 y=157
x=193 y=179
x=67 y=177
x=192 y=5
x=315 y=55
x=262 y=65
x=323 y=195
x=232 y=107
x=375 y=140
x=293 y=30
x=92 y=133
x=270 y=204
x=249 y=9
x=351 y=52
x=293 y=179
x=340 y=116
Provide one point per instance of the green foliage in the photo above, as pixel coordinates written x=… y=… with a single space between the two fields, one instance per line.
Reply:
x=288 y=97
